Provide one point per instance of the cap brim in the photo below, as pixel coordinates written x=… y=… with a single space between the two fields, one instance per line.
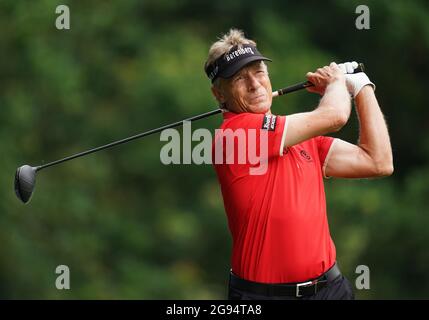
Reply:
x=234 y=68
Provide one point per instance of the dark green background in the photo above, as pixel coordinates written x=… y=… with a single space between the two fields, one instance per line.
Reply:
x=130 y=227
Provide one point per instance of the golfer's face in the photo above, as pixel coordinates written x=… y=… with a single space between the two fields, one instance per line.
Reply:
x=249 y=90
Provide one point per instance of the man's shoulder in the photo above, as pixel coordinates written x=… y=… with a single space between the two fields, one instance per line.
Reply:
x=233 y=117
x=246 y=120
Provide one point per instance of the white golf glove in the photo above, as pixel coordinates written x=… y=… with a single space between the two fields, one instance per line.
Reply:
x=354 y=81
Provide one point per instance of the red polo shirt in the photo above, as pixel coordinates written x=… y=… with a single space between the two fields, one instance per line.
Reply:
x=278 y=219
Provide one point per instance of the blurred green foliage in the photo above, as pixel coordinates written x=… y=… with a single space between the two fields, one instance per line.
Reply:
x=130 y=227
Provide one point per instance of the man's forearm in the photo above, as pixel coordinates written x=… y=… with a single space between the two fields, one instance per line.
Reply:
x=374 y=137
x=337 y=99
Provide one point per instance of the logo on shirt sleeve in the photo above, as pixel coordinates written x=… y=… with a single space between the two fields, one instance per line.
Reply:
x=269 y=122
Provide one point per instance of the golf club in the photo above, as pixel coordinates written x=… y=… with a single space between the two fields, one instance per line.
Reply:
x=25 y=176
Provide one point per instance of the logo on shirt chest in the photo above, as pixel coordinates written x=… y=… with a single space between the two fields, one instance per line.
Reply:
x=306 y=156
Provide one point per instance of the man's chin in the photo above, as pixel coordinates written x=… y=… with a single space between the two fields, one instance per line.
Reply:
x=261 y=108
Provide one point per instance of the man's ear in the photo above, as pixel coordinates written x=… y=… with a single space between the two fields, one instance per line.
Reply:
x=218 y=94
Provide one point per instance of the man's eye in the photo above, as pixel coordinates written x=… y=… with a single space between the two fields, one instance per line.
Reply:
x=238 y=78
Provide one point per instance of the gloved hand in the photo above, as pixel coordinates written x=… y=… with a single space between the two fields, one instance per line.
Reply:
x=354 y=81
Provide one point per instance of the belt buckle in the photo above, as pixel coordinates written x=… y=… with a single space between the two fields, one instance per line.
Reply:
x=303 y=284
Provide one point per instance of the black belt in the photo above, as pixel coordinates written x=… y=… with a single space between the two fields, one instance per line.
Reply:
x=298 y=290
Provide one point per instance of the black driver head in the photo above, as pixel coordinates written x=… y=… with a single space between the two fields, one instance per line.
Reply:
x=25 y=180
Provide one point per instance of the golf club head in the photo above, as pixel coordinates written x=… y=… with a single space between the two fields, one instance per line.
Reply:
x=25 y=180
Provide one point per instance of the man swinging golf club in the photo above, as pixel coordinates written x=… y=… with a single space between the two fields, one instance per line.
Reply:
x=282 y=248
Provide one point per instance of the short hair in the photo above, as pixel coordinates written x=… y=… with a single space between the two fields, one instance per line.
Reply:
x=234 y=37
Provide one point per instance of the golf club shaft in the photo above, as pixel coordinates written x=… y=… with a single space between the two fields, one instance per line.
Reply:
x=279 y=92
x=293 y=88
x=137 y=136
x=306 y=84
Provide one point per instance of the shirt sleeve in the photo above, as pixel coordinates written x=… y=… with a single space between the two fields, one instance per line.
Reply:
x=269 y=129
x=324 y=147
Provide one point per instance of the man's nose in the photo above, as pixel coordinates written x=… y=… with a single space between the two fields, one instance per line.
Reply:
x=252 y=82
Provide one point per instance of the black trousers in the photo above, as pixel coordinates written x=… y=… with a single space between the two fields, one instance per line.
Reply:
x=338 y=289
